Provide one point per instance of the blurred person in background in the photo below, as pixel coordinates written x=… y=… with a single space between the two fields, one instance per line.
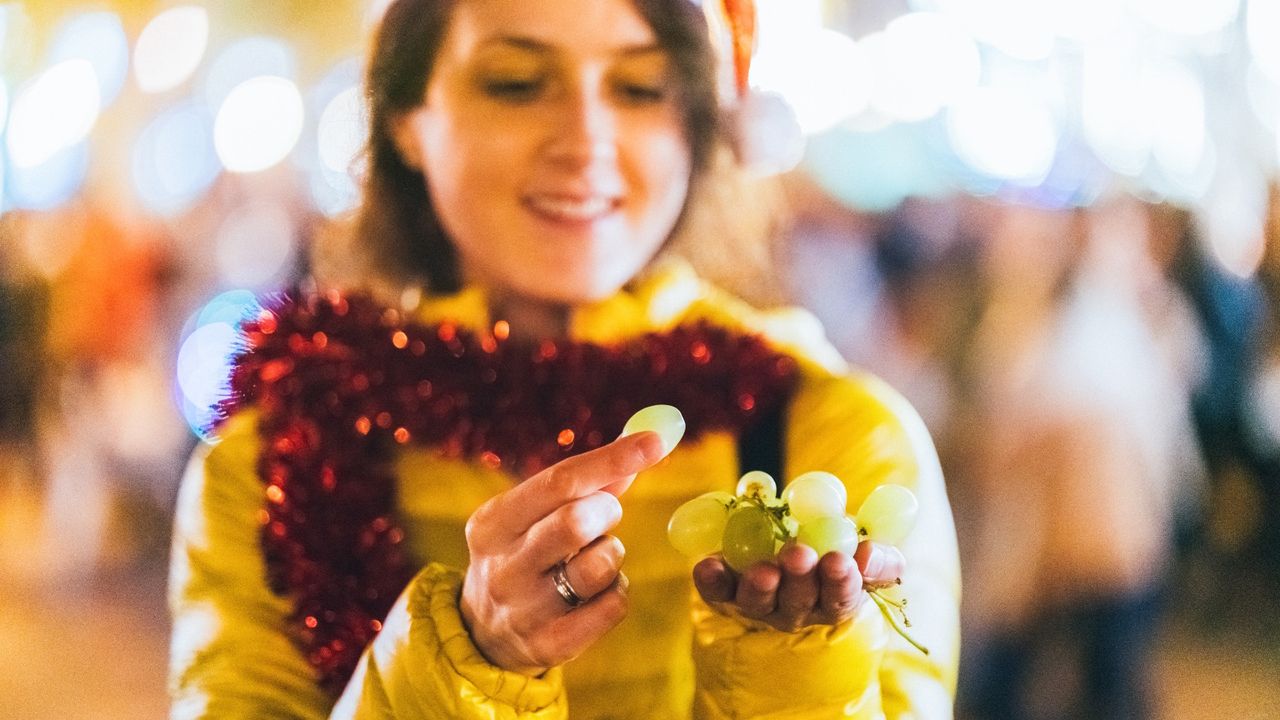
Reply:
x=105 y=432
x=1077 y=441
x=528 y=163
x=23 y=315
x=1262 y=404
x=23 y=310
x=1228 y=547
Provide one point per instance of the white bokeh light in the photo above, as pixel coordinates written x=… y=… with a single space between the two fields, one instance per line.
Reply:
x=52 y=182
x=204 y=363
x=1262 y=27
x=1018 y=28
x=55 y=111
x=1117 y=117
x=1085 y=21
x=1187 y=17
x=174 y=161
x=919 y=64
x=211 y=339
x=170 y=48
x=342 y=129
x=99 y=39
x=1176 y=97
x=1232 y=214
x=254 y=245
x=245 y=59
x=1003 y=135
x=258 y=124
x=799 y=67
x=332 y=193
x=4 y=106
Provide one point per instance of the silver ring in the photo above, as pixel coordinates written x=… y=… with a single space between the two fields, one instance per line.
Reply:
x=564 y=588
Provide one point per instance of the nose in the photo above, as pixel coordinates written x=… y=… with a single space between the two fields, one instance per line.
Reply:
x=586 y=128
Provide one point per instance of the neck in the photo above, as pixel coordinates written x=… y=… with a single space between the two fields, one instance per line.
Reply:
x=530 y=319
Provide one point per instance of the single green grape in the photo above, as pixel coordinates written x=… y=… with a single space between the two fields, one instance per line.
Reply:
x=758 y=483
x=696 y=528
x=748 y=537
x=888 y=514
x=827 y=534
x=665 y=420
x=814 y=495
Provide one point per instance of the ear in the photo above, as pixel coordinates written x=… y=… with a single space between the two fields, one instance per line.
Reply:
x=403 y=129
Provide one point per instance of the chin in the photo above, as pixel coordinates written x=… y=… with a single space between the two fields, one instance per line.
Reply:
x=573 y=288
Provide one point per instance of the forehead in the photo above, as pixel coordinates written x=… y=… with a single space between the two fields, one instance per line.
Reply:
x=587 y=27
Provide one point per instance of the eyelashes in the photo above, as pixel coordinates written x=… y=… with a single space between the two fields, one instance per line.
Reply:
x=517 y=91
x=522 y=91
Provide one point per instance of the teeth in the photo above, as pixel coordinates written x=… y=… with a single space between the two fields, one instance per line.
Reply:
x=573 y=209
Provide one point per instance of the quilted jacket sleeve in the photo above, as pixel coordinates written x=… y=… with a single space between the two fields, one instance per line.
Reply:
x=859 y=429
x=232 y=656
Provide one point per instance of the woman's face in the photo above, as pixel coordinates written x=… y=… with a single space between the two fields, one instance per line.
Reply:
x=552 y=144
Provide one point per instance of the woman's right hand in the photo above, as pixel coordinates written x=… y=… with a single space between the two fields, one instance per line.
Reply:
x=517 y=618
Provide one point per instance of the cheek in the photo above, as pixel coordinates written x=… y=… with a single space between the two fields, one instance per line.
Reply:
x=666 y=167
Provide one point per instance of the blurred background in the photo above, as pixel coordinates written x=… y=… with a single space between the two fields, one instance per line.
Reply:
x=1052 y=224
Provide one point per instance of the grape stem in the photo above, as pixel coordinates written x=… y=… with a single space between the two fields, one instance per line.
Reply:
x=884 y=604
x=775 y=512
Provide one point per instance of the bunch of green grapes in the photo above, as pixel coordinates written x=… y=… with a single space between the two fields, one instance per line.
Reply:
x=752 y=525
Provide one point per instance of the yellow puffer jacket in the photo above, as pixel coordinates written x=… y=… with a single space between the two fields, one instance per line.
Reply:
x=673 y=656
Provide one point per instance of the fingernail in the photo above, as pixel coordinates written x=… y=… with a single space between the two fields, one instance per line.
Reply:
x=665 y=420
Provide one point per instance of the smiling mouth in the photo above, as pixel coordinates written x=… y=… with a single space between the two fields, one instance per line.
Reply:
x=573 y=209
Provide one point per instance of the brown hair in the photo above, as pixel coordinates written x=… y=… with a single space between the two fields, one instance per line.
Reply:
x=396 y=227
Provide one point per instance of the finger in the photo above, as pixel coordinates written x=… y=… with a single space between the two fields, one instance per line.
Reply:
x=593 y=570
x=840 y=592
x=714 y=581
x=566 y=637
x=879 y=564
x=577 y=477
x=572 y=527
x=798 y=590
x=757 y=594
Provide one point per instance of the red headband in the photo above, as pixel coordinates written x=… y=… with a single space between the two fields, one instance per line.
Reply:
x=741 y=17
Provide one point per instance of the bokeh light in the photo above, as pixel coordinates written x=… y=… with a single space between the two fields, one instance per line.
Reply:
x=1084 y=21
x=1003 y=135
x=1264 y=96
x=174 y=161
x=258 y=124
x=255 y=244
x=4 y=108
x=340 y=134
x=99 y=39
x=1262 y=27
x=1187 y=17
x=245 y=59
x=210 y=341
x=920 y=63
x=1233 y=219
x=52 y=112
x=799 y=68
x=51 y=183
x=1018 y=28
x=342 y=129
x=170 y=48
x=797 y=59
x=1117 y=119
x=1176 y=97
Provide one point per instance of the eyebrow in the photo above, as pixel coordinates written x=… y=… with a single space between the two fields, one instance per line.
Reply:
x=535 y=45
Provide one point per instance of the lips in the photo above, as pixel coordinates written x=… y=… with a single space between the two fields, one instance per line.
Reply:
x=576 y=209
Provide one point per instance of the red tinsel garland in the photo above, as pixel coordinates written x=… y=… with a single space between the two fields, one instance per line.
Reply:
x=341 y=381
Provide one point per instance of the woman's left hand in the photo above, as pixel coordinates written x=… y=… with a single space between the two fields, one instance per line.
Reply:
x=800 y=589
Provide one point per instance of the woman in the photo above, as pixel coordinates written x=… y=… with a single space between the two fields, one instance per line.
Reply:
x=529 y=160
